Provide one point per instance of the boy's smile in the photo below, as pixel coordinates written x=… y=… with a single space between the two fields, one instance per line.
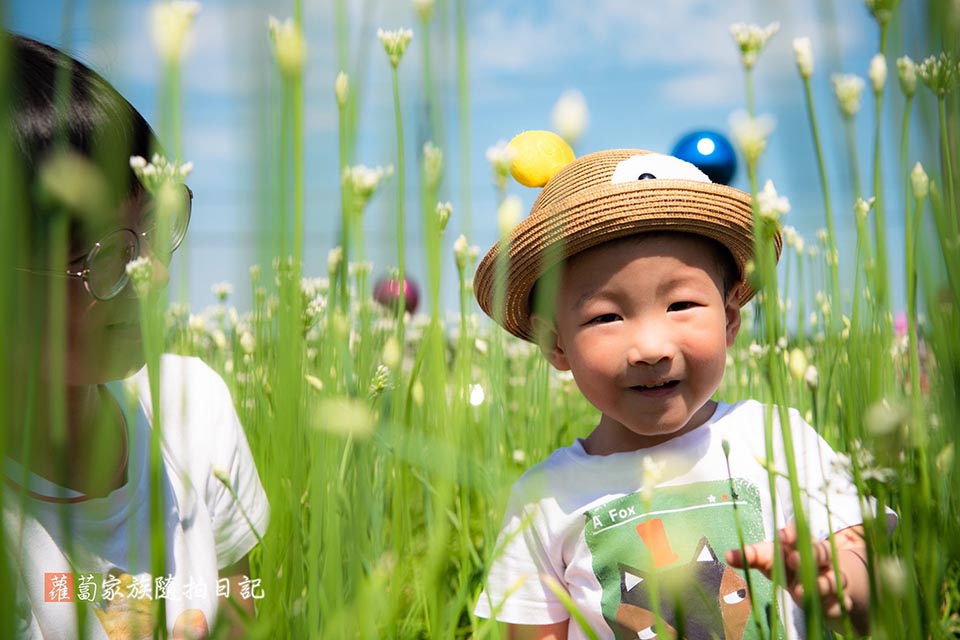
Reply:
x=643 y=325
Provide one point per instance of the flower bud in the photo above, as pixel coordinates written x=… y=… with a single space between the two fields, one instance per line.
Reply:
x=570 y=116
x=804 y=52
x=169 y=24
x=444 y=209
x=341 y=89
x=878 y=72
x=508 y=214
x=432 y=165
x=907 y=74
x=920 y=182
x=289 y=46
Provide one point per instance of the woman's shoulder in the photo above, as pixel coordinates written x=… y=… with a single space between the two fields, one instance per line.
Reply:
x=191 y=393
x=184 y=377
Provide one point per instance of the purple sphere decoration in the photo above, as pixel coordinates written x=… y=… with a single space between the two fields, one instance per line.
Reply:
x=389 y=291
x=709 y=151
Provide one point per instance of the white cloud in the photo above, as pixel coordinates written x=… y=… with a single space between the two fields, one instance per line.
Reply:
x=701 y=89
x=633 y=35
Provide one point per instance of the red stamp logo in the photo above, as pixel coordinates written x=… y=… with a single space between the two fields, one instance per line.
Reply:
x=58 y=587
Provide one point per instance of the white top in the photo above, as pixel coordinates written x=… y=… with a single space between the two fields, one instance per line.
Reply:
x=206 y=529
x=585 y=524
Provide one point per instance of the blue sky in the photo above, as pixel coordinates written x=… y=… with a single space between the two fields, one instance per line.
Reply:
x=650 y=73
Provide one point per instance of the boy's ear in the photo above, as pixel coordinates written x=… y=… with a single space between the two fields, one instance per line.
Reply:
x=549 y=342
x=732 y=312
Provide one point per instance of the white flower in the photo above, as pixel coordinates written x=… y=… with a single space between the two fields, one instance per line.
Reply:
x=793 y=239
x=919 y=181
x=140 y=271
x=812 y=377
x=380 y=381
x=519 y=456
x=289 y=46
x=878 y=72
x=772 y=206
x=797 y=363
x=848 y=89
x=395 y=43
x=334 y=260
x=222 y=290
x=221 y=474
x=247 y=342
x=862 y=207
x=477 y=395
x=803 y=49
x=500 y=156
x=881 y=418
x=312 y=287
x=392 y=353
x=341 y=89
x=751 y=134
x=363 y=181
x=751 y=39
x=907 y=74
x=424 y=9
x=460 y=251
x=508 y=214
x=169 y=25
x=940 y=74
x=570 y=116
x=444 y=210
x=345 y=417
x=432 y=164
x=158 y=172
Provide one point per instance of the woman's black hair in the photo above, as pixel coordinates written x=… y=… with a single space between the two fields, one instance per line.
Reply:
x=91 y=110
x=56 y=101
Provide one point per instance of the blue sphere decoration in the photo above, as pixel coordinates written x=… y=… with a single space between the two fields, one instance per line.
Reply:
x=710 y=152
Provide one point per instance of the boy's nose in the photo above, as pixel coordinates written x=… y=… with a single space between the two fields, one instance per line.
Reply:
x=650 y=345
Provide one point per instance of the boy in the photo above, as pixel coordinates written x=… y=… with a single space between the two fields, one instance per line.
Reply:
x=641 y=518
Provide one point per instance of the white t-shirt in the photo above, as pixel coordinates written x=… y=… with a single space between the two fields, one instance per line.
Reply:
x=591 y=526
x=206 y=529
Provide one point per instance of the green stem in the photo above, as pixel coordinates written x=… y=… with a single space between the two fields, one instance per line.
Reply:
x=910 y=251
x=947 y=171
x=346 y=206
x=296 y=91
x=852 y=156
x=827 y=208
x=401 y=245
x=463 y=99
x=879 y=226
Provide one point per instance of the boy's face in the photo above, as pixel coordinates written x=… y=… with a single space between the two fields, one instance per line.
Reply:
x=644 y=326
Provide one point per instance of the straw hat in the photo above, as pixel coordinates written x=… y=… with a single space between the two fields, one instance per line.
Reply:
x=608 y=195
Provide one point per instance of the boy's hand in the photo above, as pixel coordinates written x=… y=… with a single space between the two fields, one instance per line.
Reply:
x=853 y=572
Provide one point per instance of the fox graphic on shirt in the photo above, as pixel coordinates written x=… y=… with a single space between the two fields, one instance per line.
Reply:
x=659 y=555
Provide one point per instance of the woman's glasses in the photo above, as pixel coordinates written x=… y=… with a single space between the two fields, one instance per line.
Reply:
x=104 y=268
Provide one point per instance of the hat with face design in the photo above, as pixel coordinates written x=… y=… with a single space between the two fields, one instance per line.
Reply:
x=605 y=196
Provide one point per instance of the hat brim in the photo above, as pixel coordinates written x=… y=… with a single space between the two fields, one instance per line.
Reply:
x=551 y=235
